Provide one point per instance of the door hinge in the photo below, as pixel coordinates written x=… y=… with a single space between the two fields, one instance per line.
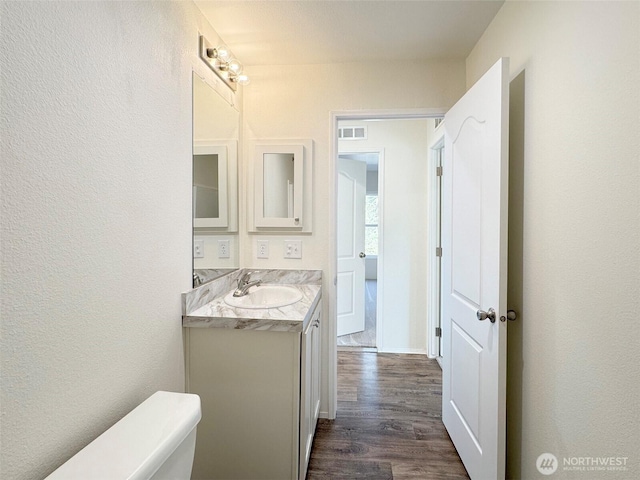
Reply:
x=438 y=251
x=438 y=332
x=439 y=171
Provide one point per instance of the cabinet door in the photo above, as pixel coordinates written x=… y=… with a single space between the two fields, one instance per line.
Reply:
x=279 y=185
x=309 y=389
x=210 y=198
x=315 y=372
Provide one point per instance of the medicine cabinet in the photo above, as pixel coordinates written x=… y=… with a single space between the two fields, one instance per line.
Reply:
x=282 y=185
x=210 y=183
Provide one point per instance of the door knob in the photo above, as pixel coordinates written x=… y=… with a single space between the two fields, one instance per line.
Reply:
x=511 y=315
x=362 y=255
x=490 y=314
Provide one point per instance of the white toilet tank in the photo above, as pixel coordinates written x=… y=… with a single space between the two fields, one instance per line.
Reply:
x=156 y=440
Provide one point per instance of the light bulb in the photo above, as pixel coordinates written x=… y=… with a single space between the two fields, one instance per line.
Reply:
x=222 y=53
x=243 y=80
x=234 y=66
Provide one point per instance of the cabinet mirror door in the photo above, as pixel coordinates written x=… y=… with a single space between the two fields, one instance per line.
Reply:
x=279 y=185
x=210 y=163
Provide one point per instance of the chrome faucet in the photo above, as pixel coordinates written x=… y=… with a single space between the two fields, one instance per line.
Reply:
x=244 y=284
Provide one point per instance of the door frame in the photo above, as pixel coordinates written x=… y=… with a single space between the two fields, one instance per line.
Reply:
x=380 y=152
x=331 y=347
x=434 y=267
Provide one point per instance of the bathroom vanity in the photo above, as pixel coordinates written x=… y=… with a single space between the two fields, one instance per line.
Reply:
x=257 y=371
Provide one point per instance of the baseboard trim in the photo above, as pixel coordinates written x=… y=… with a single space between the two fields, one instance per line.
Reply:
x=413 y=351
x=357 y=349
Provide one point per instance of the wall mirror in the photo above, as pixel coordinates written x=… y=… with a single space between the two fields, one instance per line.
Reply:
x=282 y=174
x=216 y=126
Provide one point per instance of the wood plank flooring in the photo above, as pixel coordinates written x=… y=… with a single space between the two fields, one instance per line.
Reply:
x=366 y=338
x=388 y=424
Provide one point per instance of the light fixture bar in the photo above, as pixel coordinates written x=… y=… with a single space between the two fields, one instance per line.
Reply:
x=220 y=66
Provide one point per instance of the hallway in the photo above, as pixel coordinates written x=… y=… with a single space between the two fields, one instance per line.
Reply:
x=388 y=424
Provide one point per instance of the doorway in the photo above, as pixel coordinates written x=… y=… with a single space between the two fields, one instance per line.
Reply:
x=358 y=244
x=399 y=285
x=403 y=279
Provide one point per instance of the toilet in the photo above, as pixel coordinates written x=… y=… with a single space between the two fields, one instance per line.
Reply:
x=156 y=440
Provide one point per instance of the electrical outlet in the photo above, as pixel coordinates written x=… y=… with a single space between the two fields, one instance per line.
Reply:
x=293 y=249
x=223 y=249
x=263 y=248
x=198 y=249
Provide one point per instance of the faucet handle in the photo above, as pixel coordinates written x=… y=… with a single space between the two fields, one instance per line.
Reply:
x=244 y=279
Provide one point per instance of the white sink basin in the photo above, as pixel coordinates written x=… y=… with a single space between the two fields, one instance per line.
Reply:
x=265 y=296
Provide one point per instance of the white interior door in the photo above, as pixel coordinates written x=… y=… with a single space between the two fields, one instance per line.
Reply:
x=352 y=183
x=474 y=273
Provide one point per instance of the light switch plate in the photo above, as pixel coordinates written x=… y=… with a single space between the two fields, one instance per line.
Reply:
x=198 y=249
x=223 y=249
x=263 y=249
x=293 y=249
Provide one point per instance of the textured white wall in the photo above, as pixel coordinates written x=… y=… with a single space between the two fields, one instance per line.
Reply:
x=574 y=229
x=296 y=102
x=96 y=217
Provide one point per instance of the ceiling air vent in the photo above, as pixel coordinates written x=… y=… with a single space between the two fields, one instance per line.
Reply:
x=352 y=133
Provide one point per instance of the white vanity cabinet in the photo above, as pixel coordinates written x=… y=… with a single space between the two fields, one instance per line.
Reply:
x=260 y=394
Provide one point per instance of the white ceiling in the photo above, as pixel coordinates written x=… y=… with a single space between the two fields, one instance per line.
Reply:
x=337 y=31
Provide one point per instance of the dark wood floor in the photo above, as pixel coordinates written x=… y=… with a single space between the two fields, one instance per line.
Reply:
x=388 y=424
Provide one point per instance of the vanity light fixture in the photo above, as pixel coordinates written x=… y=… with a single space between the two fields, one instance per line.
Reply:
x=219 y=60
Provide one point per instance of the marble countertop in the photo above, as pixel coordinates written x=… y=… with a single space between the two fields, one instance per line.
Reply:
x=289 y=318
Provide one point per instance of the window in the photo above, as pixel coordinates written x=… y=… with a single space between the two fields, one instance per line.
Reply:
x=371 y=225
